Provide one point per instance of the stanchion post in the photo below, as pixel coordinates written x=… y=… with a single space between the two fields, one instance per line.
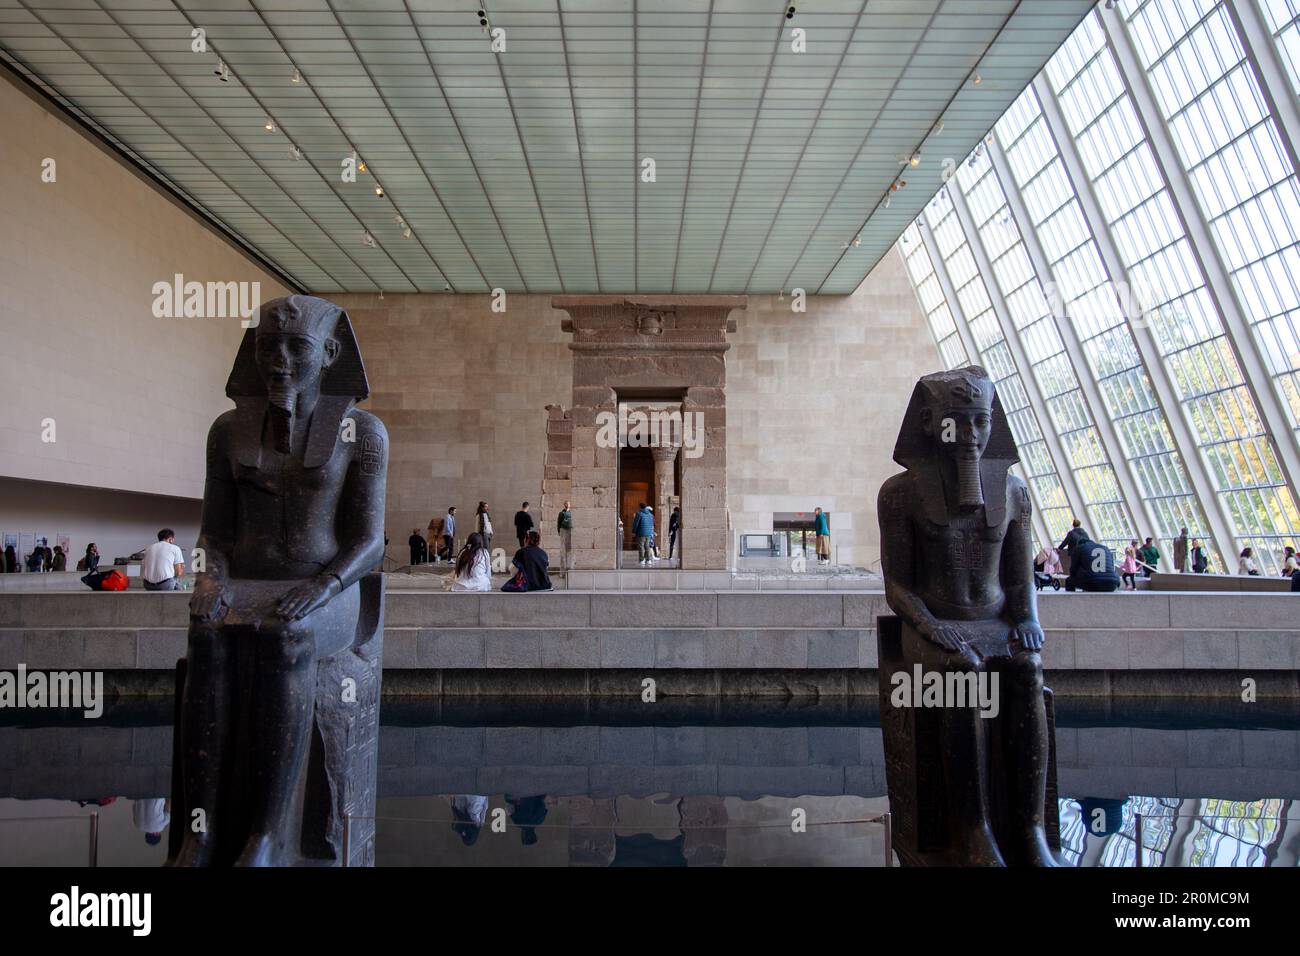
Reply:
x=94 y=838
x=1137 y=838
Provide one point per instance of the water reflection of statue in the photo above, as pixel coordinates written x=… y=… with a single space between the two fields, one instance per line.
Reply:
x=292 y=520
x=957 y=560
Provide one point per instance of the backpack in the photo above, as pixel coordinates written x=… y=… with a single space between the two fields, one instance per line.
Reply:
x=114 y=580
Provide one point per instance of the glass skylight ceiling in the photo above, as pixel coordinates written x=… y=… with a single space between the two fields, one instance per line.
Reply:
x=1122 y=252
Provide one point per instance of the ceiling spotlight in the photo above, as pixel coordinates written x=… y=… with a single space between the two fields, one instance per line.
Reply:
x=222 y=71
x=367 y=240
x=379 y=190
x=938 y=127
x=294 y=152
x=381 y=295
x=978 y=79
x=269 y=126
x=902 y=183
x=406 y=233
x=297 y=77
x=780 y=296
x=361 y=166
x=789 y=13
x=857 y=241
x=887 y=199
x=916 y=159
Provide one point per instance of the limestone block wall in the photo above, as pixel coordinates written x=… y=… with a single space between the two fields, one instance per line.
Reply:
x=131 y=396
x=463 y=391
x=814 y=401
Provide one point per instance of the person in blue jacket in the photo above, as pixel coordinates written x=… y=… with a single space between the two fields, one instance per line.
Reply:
x=643 y=529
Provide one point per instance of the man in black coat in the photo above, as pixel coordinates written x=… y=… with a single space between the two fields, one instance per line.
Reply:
x=523 y=523
x=419 y=548
x=1073 y=539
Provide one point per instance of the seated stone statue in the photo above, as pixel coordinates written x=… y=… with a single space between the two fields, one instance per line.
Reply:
x=293 y=513
x=957 y=560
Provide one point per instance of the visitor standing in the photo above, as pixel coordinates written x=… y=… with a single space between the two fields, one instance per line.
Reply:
x=1180 y=551
x=36 y=560
x=523 y=523
x=1072 y=539
x=643 y=526
x=473 y=566
x=11 y=560
x=419 y=547
x=822 y=528
x=1290 y=564
x=1200 y=562
x=1129 y=568
x=92 y=557
x=449 y=534
x=1246 y=563
x=564 y=528
x=1149 y=555
x=674 y=528
x=163 y=564
x=483 y=521
x=654 y=538
x=60 y=559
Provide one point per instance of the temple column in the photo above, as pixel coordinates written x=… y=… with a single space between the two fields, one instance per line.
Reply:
x=665 y=457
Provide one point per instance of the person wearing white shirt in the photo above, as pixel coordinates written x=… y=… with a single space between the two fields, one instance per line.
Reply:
x=1246 y=563
x=163 y=564
x=151 y=817
x=473 y=566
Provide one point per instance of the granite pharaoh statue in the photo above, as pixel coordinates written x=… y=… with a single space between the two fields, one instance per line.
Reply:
x=292 y=523
x=957 y=560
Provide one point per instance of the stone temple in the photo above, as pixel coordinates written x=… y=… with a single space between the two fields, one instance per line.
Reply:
x=957 y=335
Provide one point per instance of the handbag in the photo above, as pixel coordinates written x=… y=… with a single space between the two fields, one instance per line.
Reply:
x=519 y=582
x=115 y=580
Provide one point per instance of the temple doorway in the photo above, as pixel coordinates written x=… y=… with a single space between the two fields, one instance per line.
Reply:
x=649 y=471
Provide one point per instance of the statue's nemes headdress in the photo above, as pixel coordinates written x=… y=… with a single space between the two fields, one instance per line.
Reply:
x=343 y=383
x=958 y=389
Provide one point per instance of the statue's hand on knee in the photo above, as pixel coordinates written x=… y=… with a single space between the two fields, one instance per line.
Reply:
x=946 y=636
x=211 y=599
x=300 y=601
x=1029 y=635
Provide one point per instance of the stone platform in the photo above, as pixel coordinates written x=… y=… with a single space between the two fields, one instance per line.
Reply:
x=1106 y=643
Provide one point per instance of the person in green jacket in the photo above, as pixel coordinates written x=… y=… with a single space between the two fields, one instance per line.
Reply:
x=564 y=526
x=1150 y=557
x=822 y=528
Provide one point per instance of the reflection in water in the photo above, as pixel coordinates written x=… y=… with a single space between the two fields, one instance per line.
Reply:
x=708 y=783
x=1180 y=832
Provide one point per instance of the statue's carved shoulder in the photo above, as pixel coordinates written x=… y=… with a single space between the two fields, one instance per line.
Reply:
x=222 y=430
x=1018 y=497
x=370 y=445
x=896 y=496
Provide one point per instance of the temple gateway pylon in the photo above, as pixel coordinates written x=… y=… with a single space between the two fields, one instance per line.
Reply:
x=649 y=376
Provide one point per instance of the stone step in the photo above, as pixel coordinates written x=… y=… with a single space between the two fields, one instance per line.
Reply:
x=593 y=647
x=1136 y=611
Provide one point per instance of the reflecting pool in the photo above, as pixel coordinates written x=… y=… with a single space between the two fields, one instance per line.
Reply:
x=683 y=783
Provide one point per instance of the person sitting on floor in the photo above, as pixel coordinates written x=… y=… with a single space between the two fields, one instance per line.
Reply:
x=532 y=561
x=1092 y=568
x=473 y=566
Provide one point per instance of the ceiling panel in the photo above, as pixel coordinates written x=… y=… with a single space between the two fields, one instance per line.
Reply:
x=521 y=169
